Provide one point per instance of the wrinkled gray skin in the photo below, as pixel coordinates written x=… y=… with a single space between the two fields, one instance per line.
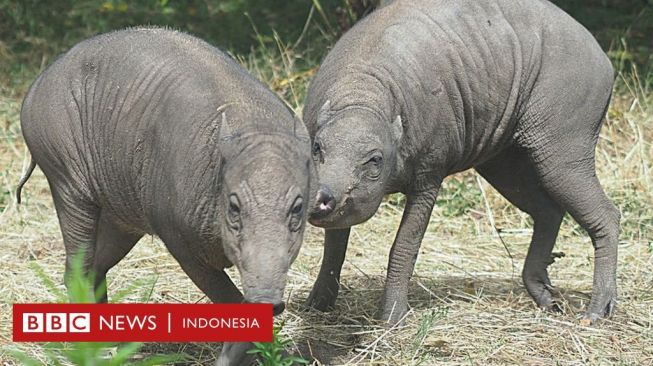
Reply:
x=421 y=89
x=152 y=131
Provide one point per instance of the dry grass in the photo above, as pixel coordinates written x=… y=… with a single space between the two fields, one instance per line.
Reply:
x=468 y=305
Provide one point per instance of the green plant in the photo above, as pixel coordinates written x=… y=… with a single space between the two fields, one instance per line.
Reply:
x=458 y=195
x=273 y=353
x=426 y=324
x=80 y=290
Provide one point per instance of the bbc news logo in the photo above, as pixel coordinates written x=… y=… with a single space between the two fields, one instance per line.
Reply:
x=56 y=322
x=142 y=322
x=81 y=322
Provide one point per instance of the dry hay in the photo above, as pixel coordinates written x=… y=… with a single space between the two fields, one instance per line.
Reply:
x=468 y=305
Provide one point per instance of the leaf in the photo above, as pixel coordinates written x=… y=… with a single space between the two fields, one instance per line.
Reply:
x=48 y=283
x=24 y=358
x=125 y=352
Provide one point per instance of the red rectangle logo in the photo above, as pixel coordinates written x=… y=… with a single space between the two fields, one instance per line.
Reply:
x=142 y=322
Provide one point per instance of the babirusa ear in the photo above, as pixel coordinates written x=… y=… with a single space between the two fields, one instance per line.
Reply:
x=397 y=128
x=324 y=114
x=225 y=128
x=300 y=129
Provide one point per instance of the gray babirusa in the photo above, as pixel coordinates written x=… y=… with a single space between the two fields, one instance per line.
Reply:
x=153 y=131
x=421 y=89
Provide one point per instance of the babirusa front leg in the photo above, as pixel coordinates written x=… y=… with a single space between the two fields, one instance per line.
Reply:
x=394 y=302
x=325 y=290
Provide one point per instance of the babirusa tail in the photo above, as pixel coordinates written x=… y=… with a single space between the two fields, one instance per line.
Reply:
x=24 y=178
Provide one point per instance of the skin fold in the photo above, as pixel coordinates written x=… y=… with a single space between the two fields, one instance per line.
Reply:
x=421 y=89
x=153 y=131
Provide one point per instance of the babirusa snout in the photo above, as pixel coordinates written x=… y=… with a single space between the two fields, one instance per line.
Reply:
x=264 y=277
x=272 y=296
x=325 y=203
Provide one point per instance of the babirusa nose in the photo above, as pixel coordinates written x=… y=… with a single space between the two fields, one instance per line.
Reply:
x=278 y=308
x=325 y=203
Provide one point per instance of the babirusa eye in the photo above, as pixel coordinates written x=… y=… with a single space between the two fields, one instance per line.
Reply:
x=297 y=208
x=376 y=159
x=233 y=212
x=317 y=151
x=233 y=204
x=374 y=166
x=296 y=211
x=316 y=148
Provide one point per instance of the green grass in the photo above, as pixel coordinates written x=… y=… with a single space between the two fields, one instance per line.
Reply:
x=86 y=353
x=274 y=353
